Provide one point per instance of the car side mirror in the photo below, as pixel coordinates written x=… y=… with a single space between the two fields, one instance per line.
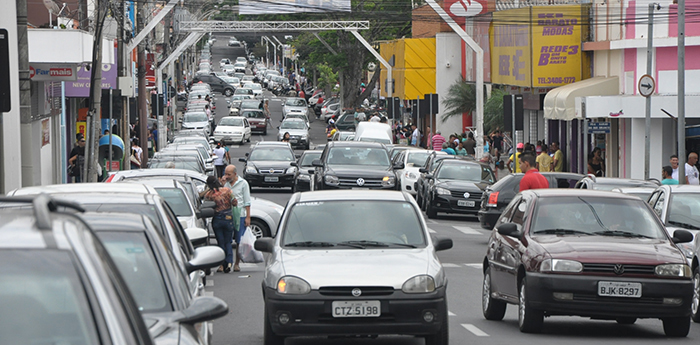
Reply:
x=312 y=171
x=247 y=154
x=265 y=244
x=196 y=235
x=297 y=156
x=399 y=166
x=242 y=160
x=423 y=170
x=205 y=212
x=429 y=176
x=682 y=236
x=210 y=160
x=317 y=163
x=209 y=169
x=293 y=164
x=205 y=257
x=202 y=309
x=509 y=229
x=442 y=244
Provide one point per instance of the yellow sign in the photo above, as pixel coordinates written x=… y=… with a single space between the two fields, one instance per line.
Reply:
x=80 y=127
x=510 y=47
x=556 y=45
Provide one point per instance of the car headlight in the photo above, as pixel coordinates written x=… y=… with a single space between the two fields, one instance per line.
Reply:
x=410 y=175
x=442 y=191
x=291 y=170
x=558 y=265
x=305 y=177
x=388 y=181
x=673 y=270
x=331 y=180
x=419 y=284
x=251 y=170
x=293 y=286
x=304 y=137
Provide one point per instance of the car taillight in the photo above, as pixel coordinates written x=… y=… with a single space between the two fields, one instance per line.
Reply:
x=109 y=179
x=493 y=200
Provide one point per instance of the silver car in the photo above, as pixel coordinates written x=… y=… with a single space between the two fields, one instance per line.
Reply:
x=196 y=120
x=295 y=105
x=298 y=132
x=354 y=262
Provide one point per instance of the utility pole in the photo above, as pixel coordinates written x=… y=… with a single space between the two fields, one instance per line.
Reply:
x=122 y=72
x=647 y=123
x=93 y=121
x=143 y=93
x=681 y=92
x=25 y=102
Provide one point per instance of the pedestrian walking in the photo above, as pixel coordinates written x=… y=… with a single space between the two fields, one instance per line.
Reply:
x=219 y=163
x=666 y=174
x=222 y=222
x=497 y=140
x=77 y=158
x=241 y=193
x=532 y=178
x=691 y=171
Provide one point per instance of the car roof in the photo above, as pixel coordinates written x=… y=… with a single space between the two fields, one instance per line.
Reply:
x=271 y=143
x=312 y=152
x=349 y=194
x=684 y=188
x=19 y=229
x=565 y=192
x=355 y=144
x=158 y=182
x=128 y=174
x=102 y=188
x=114 y=221
x=293 y=119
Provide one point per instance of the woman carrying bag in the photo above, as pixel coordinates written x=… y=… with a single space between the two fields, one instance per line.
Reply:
x=223 y=221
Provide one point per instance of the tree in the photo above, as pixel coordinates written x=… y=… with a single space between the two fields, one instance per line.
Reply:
x=461 y=98
x=327 y=78
x=493 y=110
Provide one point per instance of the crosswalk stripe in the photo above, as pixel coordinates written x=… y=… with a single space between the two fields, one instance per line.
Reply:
x=475 y=330
x=451 y=313
x=478 y=266
x=467 y=230
x=432 y=231
x=450 y=265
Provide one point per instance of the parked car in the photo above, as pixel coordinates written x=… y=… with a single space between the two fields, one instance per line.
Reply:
x=596 y=254
x=233 y=129
x=497 y=196
x=351 y=164
x=429 y=168
x=54 y=292
x=196 y=120
x=302 y=180
x=412 y=160
x=640 y=192
x=179 y=162
x=608 y=183
x=676 y=206
x=346 y=122
x=456 y=187
x=402 y=288
x=270 y=164
x=216 y=84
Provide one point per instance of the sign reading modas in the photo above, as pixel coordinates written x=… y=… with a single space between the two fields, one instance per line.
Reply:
x=538 y=46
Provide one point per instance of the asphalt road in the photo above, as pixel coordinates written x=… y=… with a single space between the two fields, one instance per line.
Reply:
x=242 y=290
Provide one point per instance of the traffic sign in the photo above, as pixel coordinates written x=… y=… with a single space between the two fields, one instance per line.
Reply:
x=647 y=85
x=598 y=127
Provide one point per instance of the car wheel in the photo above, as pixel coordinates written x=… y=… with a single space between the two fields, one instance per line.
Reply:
x=429 y=210
x=695 y=308
x=676 y=327
x=259 y=228
x=493 y=309
x=419 y=200
x=442 y=337
x=530 y=320
x=626 y=320
x=228 y=92
x=269 y=336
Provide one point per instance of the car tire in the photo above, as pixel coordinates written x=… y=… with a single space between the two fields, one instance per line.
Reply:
x=259 y=228
x=442 y=337
x=626 y=320
x=695 y=307
x=429 y=210
x=530 y=320
x=228 y=92
x=493 y=309
x=676 y=327
x=419 y=200
x=269 y=336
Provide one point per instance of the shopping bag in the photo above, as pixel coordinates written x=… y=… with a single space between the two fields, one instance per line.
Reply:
x=247 y=250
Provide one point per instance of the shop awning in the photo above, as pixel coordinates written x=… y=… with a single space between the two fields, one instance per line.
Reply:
x=559 y=103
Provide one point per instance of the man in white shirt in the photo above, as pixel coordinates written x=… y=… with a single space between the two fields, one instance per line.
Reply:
x=674 y=166
x=415 y=137
x=241 y=192
x=375 y=118
x=691 y=172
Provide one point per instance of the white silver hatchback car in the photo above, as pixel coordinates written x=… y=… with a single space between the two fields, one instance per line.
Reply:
x=353 y=263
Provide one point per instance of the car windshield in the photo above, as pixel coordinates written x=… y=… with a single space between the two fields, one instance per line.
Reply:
x=242 y=91
x=681 y=211
x=189 y=164
x=253 y=114
x=255 y=86
x=252 y=104
x=231 y=121
x=358 y=156
x=240 y=97
x=177 y=200
x=308 y=158
x=272 y=154
x=190 y=140
x=336 y=224
x=295 y=102
x=196 y=117
x=464 y=172
x=417 y=159
x=133 y=256
x=42 y=299
x=293 y=125
x=585 y=215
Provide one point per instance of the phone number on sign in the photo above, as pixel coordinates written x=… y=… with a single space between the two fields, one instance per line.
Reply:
x=556 y=80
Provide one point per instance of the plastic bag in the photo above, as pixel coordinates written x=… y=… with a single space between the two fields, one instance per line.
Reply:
x=247 y=250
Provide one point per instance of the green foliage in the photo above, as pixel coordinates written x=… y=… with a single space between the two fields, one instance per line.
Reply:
x=493 y=110
x=327 y=78
x=461 y=98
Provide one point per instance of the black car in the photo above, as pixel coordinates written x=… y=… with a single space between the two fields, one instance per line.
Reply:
x=346 y=122
x=302 y=180
x=270 y=164
x=217 y=84
x=58 y=285
x=354 y=164
x=497 y=196
x=456 y=187
x=430 y=164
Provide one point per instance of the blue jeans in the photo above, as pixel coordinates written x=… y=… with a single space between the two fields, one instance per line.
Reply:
x=240 y=231
x=223 y=230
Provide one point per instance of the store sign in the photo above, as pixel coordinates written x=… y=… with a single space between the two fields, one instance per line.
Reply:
x=52 y=72
x=538 y=47
x=599 y=128
x=459 y=10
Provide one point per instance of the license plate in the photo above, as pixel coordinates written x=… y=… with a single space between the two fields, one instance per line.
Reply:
x=293 y=141
x=466 y=203
x=620 y=289
x=272 y=179
x=356 y=309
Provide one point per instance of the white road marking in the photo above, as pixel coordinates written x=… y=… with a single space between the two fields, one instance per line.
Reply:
x=450 y=265
x=449 y=313
x=432 y=231
x=467 y=230
x=210 y=282
x=478 y=266
x=431 y=221
x=234 y=146
x=208 y=293
x=475 y=330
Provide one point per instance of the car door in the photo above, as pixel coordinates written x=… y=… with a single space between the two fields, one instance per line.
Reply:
x=511 y=249
x=659 y=206
x=496 y=253
x=246 y=129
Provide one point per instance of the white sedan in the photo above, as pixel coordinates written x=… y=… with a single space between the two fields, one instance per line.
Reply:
x=257 y=89
x=232 y=129
x=412 y=160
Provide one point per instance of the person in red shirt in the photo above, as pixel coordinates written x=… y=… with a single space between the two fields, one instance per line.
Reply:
x=532 y=179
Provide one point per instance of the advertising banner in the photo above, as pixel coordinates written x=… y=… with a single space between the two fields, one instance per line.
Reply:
x=52 y=72
x=81 y=86
x=556 y=45
x=292 y=6
x=510 y=48
x=459 y=10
